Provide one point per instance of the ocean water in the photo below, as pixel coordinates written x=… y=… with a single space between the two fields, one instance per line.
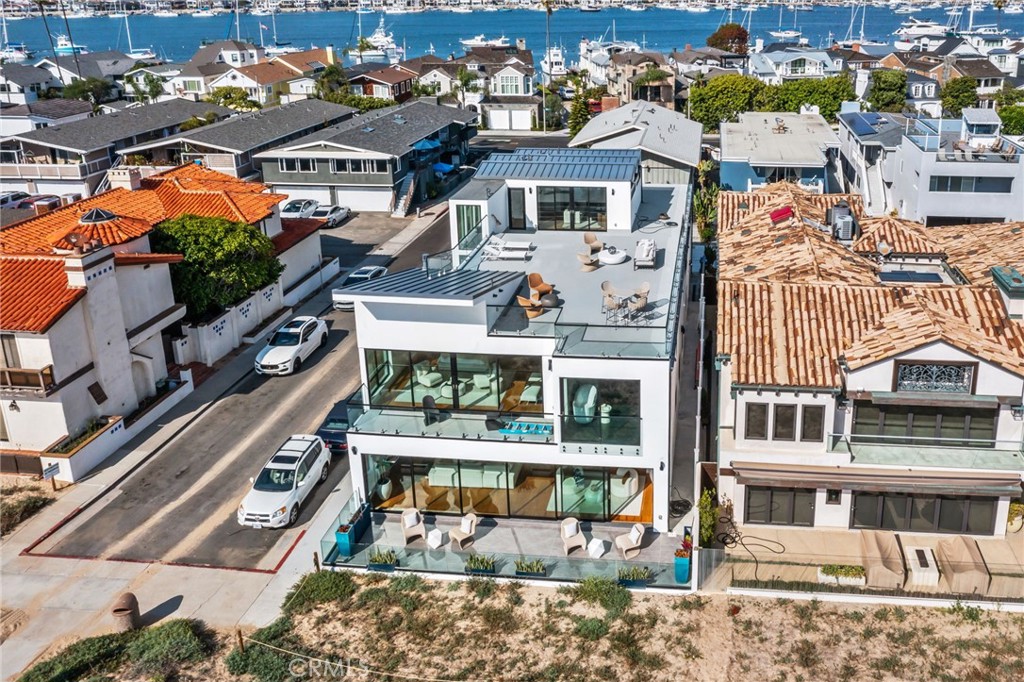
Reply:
x=176 y=39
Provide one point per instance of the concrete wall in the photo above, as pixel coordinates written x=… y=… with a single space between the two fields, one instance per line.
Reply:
x=145 y=292
x=300 y=260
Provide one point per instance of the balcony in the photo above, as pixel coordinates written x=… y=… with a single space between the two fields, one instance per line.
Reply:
x=947 y=453
x=396 y=421
x=37 y=380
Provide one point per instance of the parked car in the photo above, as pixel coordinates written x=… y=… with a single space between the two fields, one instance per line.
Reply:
x=363 y=274
x=30 y=202
x=332 y=215
x=567 y=92
x=284 y=483
x=334 y=430
x=12 y=199
x=299 y=208
x=290 y=345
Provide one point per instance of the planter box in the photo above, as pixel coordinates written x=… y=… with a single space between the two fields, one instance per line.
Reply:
x=682 y=569
x=531 y=574
x=841 y=580
x=346 y=541
x=481 y=571
x=383 y=568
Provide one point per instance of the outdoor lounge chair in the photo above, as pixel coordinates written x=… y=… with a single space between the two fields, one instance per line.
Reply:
x=591 y=240
x=463 y=535
x=588 y=262
x=412 y=525
x=537 y=283
x=629 y=543
x=645 y=254
x=533 y=308
x=962 y=565
x=572 y=536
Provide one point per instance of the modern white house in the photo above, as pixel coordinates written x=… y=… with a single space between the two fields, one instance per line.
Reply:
x=21 y=84
x=778 y=67
x=531 y=372
x=872 y=384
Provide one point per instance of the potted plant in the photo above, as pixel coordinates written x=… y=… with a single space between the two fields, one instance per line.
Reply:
x=635 y=576
x=530 y=568
x=347 y=534
x=682 y=559
x=480 y=564
x=382 y=560
x=842 y=574
x=1015 y=517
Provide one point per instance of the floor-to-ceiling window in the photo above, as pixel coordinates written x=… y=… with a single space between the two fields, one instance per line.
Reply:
x=516 y=208
x=532 y=491
x=572 y=208
x=924 y=425
x=601 y=411
x=924 y=513
x=467 y=217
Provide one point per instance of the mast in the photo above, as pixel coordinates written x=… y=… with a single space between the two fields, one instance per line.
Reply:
x=863 y=13
x=238 y=28
x=128 y=31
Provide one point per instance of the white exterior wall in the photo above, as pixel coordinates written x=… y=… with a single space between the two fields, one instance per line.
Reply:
x=300 y=260
x=145 y=292
x=620 y=213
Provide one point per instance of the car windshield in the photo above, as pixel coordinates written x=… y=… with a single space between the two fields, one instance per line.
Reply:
x=284 y=339
x=275 y=480
x=294 y=206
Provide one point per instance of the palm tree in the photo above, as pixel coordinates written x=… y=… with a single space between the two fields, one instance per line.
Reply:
x=464 y=82
x=999 y=5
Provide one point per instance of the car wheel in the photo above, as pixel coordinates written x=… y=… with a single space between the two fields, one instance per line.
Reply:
x=293 y=516
x=323 y=473
x=323 y=340
x=297 y=365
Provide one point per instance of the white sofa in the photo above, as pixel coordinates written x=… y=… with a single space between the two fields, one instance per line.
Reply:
x=426 y=376
x=625 y=483
x=486 y=475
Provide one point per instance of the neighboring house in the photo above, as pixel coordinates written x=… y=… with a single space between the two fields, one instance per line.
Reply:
x=510 y=102
x=793 y=63
x=990 y=79
x=74 y=158
x=885 y=393
x=628 y=79
x=867 y=151
x=669 y=143
x=383 y=160
x=596 y=59
x=441 y=78
x=209 y=63
x=856 y=60
x=924 y=95
x=763 y=148
x=569 y=414
x=21 y=84
x=263 y=83
x=701 y=59
x=109 y=65
x=1005 y=60
x=42 y=113
x=230 y=52
x=307 y=62
x=391 y=82
x=229 y=146
x=164 y=72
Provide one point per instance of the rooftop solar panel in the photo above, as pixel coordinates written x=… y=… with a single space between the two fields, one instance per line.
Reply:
x=910 y=277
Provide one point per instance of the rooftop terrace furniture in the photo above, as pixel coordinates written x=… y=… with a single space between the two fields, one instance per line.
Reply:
x=614 y=308
x=509 y=245
x=591 y=240
x=412 y=525
x=883 y=559
x=533 y=308
x=463 y=535
x=961 y=563
x=637 y=307
x=584 y=403
x=588 y=263
x=501 y=252
x=645 y=254
x=629 y=543
x=538 y=285
x=643 y=291
x=625 y=483
x=572 y=536
x=426 y=375
x=612 y=256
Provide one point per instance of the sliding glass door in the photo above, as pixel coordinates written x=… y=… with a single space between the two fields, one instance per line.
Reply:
x=572 y=208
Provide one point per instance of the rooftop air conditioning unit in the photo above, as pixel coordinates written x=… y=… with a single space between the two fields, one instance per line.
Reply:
x=66 y=199
x=844 y=228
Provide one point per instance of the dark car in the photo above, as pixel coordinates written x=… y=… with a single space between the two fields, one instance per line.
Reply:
x=334 y=430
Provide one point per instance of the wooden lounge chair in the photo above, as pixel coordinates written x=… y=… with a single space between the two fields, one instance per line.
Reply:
x=588 y=263
x=591 y=240
x=628 y=544
x=537 y=283
x=412 y=525
x=463 y=535
x=572 y=536
x=533 y=308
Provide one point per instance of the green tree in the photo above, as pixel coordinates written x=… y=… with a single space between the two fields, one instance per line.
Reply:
x=721 y=98
x=959 y=93
x=464 y=82
x=149 y=90
x=360 y=102
x=827 y=94
x=224 y=261
x=1008 y=96
x=731 y=38
x=1013 y=119
x=331 y=79
x=651 y=77
x=233 y=97
x=553 y=109
x=888 y=90
x=579 y=112
x=94 y=90
x=197 y=122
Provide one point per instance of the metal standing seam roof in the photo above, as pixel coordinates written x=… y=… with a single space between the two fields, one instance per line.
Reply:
x=459 y=285
x=567 y=164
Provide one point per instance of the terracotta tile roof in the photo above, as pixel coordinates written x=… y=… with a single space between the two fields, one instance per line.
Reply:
x=976 y=249
x=733 y=207
x=119 y=230
x=34 y=292
x=191 y=175
x=294 y=231
x=146 y=258
x=901 y=236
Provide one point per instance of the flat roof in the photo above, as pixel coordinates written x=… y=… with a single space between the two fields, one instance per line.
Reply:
x=465 y=285
x=561 y=164
x=772 y=138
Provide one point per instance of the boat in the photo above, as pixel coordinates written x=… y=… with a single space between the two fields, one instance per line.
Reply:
x=785 y=33
x=142 y=54
x=461 y=10
x=903 y=9
x=481 y=41
x=382 y=45
x=12 y=52
x=64 y=46
x=913 y=28
x=278 y=48
x=165 y=14
x=552 y=66
x=587 y=7
x=204 y=14
x=1014 y=9
x=699 y=7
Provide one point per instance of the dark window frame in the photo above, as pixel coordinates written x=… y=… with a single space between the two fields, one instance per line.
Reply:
x=833 y=496
x=966 y=439
x=772 y=492
x=746 y=421
x=908 y=500
x=821 y=423
x=775 y=421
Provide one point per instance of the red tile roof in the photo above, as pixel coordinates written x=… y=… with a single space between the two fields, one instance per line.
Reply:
x=294 y=231
x=34 y=292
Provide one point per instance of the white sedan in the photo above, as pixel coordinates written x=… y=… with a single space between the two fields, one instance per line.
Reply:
x=290 y=345
x=363 y=274
x=299 y=208
x=331 y=215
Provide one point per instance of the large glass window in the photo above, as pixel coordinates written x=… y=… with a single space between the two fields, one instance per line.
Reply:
x=779 y=506
x=467 y=217
x=812 y=423
x=516 y=208
x=485 y=486
x=784 y=426
x=601 y=411
x=572 y=208
x=389 y=481
x=924 y=425
x=924 y=513
x=532 y=491
x=583 y=493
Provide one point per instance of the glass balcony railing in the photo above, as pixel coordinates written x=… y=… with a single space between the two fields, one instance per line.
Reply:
x=601 y=430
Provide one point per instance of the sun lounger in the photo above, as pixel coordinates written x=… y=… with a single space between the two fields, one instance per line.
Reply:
x=963 y=567
x=516 y=246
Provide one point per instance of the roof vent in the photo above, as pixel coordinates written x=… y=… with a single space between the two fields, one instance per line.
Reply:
x=96 y=215
x=367 y=129
x=400 y=120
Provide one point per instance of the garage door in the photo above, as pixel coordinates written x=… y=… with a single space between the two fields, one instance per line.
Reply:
x=521 y=120
x=499 y=119
x=364 y=199
x=318 y=192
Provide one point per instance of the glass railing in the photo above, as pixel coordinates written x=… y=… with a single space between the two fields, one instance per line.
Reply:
x=520 y=427
x=601 y=430
x=443 y=262
x=511 y=320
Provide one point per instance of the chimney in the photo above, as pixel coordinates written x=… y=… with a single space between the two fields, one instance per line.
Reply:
x=83 y=267
x=609 y=102
x=520 y=43
x=330 y=53
x=688 y=47
x=125 y=178
x=1010 y=284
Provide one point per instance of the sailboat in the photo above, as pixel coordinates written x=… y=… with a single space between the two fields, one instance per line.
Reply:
x=11 y=52
x=278 y=48
x=785 y=34
x=144 y=53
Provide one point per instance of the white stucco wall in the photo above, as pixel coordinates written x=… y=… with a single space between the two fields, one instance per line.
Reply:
x=145 y=292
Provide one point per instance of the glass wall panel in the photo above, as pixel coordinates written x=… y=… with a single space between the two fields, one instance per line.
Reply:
x=437 y=486
x=584 y=493
x=981 y=516
x=532 y=491
x=389 y=377
x=921 y=425
x=865 y=422
x=553 y=208
x=485 y=487
x=626 y=490
x=865 y=510
x=894 y=512
x=516 y=208
x=467 y=217
x=922 y=513
x=924 y=426
x=520 y=384
x=431 y=376
x=952 y=427
x=758 y=504
x=393 y=488
x=589 y=209
x=982 y=429
x=895 y=425
x=601 y=411
x=803 y=507
x=951 y=514
x=477 y=379
x=782 y=507
x=927 y=513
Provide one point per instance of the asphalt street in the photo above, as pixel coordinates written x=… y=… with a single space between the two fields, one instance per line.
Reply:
x=180 y=506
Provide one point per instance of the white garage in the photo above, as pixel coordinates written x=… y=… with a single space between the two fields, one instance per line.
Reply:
x=499 y=119
x=522 y=119
x=363 y=198
x=318 y=192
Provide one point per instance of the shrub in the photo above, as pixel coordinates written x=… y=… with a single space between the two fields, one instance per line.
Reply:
x=968 y=614
x=482 y=588
x=319 y=588
x=843 y=571
x=14 y=512
x=530 y=565
x=267 y=665
x=383 y=556
x=480 y=562
x=82 y=659
x=160 y=649
x=635 y=573
x=605 y=592
x=591 y=629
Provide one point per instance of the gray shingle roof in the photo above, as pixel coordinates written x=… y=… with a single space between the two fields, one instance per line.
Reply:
x=50 y=108
x=108 y=64
x=102 y=131
x=663 y=132
x=249 y=131
x=464 y=285
x=387 y=131
x=208 y=54
x=24 y=75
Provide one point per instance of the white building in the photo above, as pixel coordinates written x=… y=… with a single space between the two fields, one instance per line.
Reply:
x=43 y=113
x=776 y=68
x=596 y=58
x=563 y=408
x=883 y=388
x=20 y=83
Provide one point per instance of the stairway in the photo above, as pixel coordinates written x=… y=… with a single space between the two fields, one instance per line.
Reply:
x=405 y=194
x=875 y=204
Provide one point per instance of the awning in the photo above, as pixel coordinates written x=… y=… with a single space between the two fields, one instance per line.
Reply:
x=937 y=399
x=426 y=145
x=873 y=479
x=443 y=167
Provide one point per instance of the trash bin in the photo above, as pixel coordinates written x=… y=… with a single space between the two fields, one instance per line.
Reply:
x=126 y=612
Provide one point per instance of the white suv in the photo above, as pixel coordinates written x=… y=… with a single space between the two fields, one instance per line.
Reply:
x=284 y=483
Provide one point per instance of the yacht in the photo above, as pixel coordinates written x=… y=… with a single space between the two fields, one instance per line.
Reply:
x=697 y=7
x=913 y=28
x=462 y=10
x=903 y=9
x=1014 y=9
x=204 y=14
x=165 y=14
x=382 y=44
x=785 y=34
x=482 y=41
x=552 y=67
x=587 y=7
x=64 y=46
x=12 y=52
